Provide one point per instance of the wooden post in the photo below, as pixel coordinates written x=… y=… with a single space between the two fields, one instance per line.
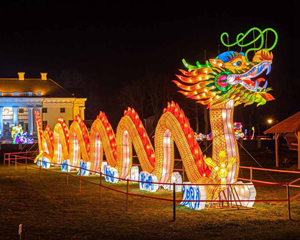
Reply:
x=26 y=165
x=174 y=202
x=259 y=143
x=276 y=149
x=40 y=168
x=100 y=185
x=15 y=162
x=229 y=198
x=9 y=160
x=26 y=162
x=80 y=179
x=288 y=198
x=251 y=176
x=127 y=191
x=67 y=173
x=298 y=150
x=20 y=231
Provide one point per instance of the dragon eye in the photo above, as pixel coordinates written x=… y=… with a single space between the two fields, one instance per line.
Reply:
x=237 y=63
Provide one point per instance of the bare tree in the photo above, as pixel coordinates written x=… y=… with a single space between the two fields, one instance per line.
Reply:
x=81 y=86
x=148 y=95
x=71 y=78
x=159 y=92
x=135 y=95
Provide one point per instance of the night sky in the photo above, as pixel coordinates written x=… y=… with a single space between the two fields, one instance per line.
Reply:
x=112 y=43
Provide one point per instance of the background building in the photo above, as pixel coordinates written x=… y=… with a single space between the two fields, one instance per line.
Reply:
x=19 y=97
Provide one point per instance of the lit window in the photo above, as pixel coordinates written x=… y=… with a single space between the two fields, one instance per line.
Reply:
x=62 y=110
x=44 y=110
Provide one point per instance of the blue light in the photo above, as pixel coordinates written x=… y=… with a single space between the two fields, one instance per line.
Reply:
x=191 y=192
x=64 y=165
x=111 y=174
x=85 y=168
x=148 y=183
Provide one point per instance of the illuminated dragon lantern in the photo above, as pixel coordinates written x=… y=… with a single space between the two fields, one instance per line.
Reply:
x=228 y=80
x=229 y=76
x=221 y=83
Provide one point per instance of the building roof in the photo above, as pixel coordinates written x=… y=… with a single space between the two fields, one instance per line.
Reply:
x=291 y=124
x=31 y=87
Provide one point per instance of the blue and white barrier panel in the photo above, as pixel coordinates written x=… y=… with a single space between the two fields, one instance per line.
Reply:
x=193 y=192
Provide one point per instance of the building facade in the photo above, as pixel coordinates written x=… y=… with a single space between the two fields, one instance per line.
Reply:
x=20 y=97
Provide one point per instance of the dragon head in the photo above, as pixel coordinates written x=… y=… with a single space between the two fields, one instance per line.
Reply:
x=229 y=76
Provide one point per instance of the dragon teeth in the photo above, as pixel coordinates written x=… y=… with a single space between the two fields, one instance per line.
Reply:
x=269 y=69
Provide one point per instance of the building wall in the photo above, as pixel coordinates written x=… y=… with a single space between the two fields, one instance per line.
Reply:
x=73 y=106
x=54 y=106
x=53 y=113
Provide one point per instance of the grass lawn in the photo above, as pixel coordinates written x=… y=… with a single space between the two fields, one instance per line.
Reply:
x=49 y=209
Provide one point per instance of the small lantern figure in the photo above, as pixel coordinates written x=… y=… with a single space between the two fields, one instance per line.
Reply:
x=222 y=170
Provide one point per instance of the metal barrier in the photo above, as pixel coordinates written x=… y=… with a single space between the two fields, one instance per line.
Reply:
x=19 y=155
x=289 y=184
x=173 y=199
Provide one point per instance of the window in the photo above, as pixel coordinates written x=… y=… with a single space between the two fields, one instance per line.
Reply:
x=62 y=110
x=44 y=110
x=44 y=124
x=23 y=118
x=8 y=114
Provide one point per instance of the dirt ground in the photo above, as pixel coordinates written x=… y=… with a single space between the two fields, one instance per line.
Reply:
x=49 y=209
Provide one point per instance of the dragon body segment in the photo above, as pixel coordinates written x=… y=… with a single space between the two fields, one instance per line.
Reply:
x=75 y=144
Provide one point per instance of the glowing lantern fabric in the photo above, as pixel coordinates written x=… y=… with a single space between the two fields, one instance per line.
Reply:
x=221 y=83
x=77 y=143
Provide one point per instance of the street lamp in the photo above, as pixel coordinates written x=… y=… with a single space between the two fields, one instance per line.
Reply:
x=270 y=121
